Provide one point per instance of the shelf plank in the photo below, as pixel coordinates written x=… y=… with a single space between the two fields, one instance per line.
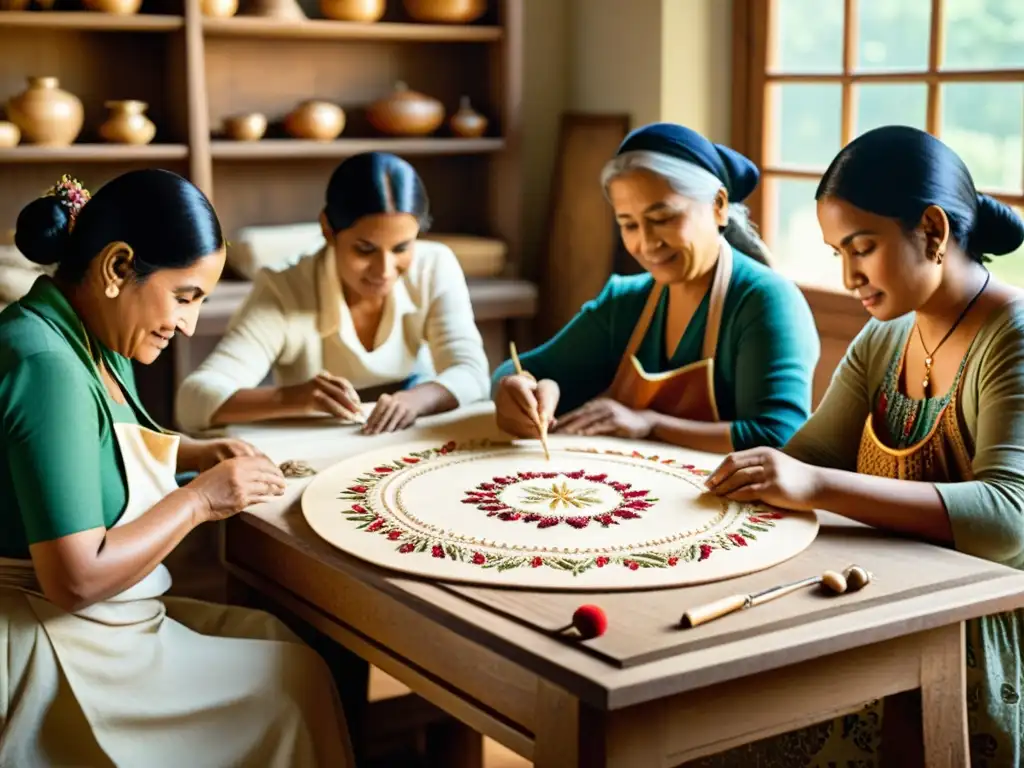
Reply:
x=93 y=153
x=284 y=149
x=323 y=29
x=90 y=21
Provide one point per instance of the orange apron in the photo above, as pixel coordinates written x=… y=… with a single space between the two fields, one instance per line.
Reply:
x=687 y=392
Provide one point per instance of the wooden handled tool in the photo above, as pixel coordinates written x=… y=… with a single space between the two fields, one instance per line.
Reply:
x=542 y=426
x=852 y=579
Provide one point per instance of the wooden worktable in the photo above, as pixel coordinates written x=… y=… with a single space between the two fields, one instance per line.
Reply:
x=647 y=693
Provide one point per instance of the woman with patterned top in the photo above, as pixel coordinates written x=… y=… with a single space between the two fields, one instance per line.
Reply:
x=922 y=430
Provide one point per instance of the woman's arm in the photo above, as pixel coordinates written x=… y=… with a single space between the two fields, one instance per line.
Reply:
x=225 y=389
x=778 y=349
x=51 y=429
x=709 y=436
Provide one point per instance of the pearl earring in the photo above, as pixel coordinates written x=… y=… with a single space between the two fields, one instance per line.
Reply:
x=112 y=291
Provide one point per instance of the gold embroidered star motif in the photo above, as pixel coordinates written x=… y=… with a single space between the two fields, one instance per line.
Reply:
x=561 y=495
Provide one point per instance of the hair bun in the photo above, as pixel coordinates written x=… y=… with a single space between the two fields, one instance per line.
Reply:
x=997 y=230
x=42 y=230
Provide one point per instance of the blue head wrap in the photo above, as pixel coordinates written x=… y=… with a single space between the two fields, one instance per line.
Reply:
x=738 y=174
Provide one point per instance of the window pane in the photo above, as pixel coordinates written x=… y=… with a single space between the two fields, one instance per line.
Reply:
x=806 y=124
x=893 y=35
x=984 y=124
x=983 y=34
x=797 y=247
x=809 y=35
x=896 y=104
x=1011 y=266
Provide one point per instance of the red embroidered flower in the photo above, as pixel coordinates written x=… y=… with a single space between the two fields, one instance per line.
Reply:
x=383 y=470
x=737 y=539
x=673 y=560
x=358 y=489
x=536 y=562
x=359 y=508
x=634 y=494
x=478 y=558
x=548 y=522
x=437 y=551
x=601 y=562
x=411 y=460
x=631 y=564
x=578 y=522
x=394 y=535
x=705 y=552
x=509 y=516
x=406 y=548
x=606 y=520
x=376 y=525
x=597 y=478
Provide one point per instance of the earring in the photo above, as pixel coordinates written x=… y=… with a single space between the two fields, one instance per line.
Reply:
x=112 y=291
x=938 y=257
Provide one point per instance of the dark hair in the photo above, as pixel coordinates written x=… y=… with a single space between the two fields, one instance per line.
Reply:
x=898 y=172
x=164 y=218
x=375 y=182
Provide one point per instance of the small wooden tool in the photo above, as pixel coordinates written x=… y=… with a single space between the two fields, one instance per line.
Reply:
x=541 y=425
x=852 y=579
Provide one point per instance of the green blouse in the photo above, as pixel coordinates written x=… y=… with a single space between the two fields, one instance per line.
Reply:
x=768 y=348
x=60 y=468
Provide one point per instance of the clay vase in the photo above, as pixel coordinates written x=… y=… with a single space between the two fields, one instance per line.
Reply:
x=445 y=11
x=406 y=113
x=9 y=134
x=115 y=7
x=467 y=123
x=46 y=115
x=249 y=127
x=218 y=9
x=316 y=120
x=353 y=10
x=128 y=123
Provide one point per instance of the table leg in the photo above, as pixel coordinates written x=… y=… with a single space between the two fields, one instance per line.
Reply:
x=944 y=698
x=557 y=739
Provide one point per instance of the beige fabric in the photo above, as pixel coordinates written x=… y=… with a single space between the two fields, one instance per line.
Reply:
x=296 y=323
x=140 y=681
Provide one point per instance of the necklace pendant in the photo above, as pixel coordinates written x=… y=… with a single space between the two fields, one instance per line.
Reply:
x=925 y=385
x=928 y=362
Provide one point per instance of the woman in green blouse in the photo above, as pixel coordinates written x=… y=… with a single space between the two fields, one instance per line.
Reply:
x=108 y=669
x=708 y=348
x=922 y=429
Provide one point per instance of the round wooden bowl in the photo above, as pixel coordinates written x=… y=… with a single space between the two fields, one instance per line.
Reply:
x=353 y=10
x=250 y=127
x=445 y=11
x=406 y=113
x=316 y=120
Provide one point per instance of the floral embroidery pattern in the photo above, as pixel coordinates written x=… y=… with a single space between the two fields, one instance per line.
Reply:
x=749 y=525
x=509 y=498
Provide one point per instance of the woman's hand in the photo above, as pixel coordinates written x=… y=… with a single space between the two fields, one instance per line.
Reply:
x=767 y=475
x=201 y=455
x=391 y=413
x=522 y=401
x=235 y=484
x=324 y=393
x=605 y=416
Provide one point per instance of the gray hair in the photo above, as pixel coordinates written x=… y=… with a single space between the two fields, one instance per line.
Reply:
x=695 y=183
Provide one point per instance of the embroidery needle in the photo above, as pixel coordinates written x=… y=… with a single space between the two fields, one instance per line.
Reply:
x=852 y=579
x=540 y=423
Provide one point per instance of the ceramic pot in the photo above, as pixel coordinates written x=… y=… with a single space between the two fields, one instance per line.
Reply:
x=406 y=113
x=128 y=123
x=9 y=134
x=467 y=122
x=445 y=11
x=116 y=7
x=317 y=120
x=219 y=9
x=353 y=10
x=46 y=115
x=249 y=127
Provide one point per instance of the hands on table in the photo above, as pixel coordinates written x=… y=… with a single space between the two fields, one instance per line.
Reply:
x=767 y=475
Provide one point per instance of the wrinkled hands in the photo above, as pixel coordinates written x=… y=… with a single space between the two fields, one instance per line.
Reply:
x=522 y=402
x=391 y=413
x=235 y=484
x=605 y=416
x=769 y=476
x=324 y=393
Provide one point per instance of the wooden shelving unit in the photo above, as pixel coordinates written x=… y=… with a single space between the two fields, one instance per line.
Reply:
x=194 y=71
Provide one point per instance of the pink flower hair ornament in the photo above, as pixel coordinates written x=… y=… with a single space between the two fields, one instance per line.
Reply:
x=71 y=195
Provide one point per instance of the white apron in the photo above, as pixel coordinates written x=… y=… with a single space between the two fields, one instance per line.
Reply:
x=144 y=682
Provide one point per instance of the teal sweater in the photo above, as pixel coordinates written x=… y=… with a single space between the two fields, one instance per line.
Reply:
x=768 y=348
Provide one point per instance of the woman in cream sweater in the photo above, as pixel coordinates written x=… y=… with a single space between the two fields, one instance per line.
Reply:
x=375 y=309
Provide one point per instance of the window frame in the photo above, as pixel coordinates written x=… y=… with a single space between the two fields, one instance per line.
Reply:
x=753 y=47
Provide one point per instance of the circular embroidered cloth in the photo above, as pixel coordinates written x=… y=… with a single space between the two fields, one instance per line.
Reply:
x=590 y=518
